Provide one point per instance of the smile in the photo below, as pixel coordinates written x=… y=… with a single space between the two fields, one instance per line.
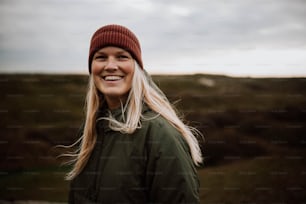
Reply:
x=112 y=78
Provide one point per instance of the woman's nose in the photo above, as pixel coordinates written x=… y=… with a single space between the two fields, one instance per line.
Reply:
x=111 y=64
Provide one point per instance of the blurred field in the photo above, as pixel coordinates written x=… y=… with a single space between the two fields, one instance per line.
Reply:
x=254 y=128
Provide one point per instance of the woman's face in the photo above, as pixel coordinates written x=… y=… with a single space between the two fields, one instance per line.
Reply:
x=113 y=70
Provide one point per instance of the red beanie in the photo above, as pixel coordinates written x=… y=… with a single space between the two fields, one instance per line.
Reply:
x=118 y=36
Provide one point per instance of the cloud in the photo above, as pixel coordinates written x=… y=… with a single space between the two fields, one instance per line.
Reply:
x=53 y=35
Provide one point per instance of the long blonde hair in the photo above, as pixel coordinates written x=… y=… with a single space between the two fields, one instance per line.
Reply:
x=143 y=90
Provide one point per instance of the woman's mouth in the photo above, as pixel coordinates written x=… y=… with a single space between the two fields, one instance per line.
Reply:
x=112 y=78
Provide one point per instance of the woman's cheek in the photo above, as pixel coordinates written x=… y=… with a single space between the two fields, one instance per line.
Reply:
x=95 y=69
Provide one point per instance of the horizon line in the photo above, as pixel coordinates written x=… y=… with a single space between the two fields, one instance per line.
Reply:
x=160 y=74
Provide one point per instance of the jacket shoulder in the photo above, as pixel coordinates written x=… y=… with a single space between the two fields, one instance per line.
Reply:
x=169 y=164
x=162 y=133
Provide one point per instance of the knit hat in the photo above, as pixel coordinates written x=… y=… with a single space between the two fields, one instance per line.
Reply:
x=118 y=36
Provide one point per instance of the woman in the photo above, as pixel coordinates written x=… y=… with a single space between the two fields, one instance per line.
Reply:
x=133 y=147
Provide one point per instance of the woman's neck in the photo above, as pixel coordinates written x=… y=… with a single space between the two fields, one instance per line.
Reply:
x=115 y=102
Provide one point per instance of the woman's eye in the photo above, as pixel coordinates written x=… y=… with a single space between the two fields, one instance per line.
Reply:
x=101 y=57
x=123 y=57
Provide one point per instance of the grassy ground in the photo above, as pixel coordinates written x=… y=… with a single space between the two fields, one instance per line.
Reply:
x=254 y=134
x=260 y=180
x=34 y=184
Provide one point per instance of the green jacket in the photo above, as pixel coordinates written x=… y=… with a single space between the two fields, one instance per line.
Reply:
x=152 y=165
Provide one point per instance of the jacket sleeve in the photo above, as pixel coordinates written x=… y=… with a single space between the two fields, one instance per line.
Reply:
x=71 y=192
x=71 y=195
x=171 y=176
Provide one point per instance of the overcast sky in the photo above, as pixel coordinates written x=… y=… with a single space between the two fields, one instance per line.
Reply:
x=230 y=37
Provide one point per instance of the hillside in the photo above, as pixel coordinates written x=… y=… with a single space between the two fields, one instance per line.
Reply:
x=254 y=131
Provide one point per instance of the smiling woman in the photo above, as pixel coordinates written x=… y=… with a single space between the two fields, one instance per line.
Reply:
x=133 y=148
x=113 y=69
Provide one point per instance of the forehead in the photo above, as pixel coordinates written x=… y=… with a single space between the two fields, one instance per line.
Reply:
x=112 y=49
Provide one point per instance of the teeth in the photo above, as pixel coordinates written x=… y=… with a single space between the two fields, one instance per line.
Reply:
x=112 y=78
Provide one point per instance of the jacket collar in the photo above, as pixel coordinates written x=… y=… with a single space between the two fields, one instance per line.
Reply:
x=104 y=112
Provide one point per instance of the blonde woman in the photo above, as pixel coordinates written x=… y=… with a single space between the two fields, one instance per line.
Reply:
x=133 y=146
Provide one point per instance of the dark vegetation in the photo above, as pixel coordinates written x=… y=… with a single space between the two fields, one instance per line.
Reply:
x=254 y=129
